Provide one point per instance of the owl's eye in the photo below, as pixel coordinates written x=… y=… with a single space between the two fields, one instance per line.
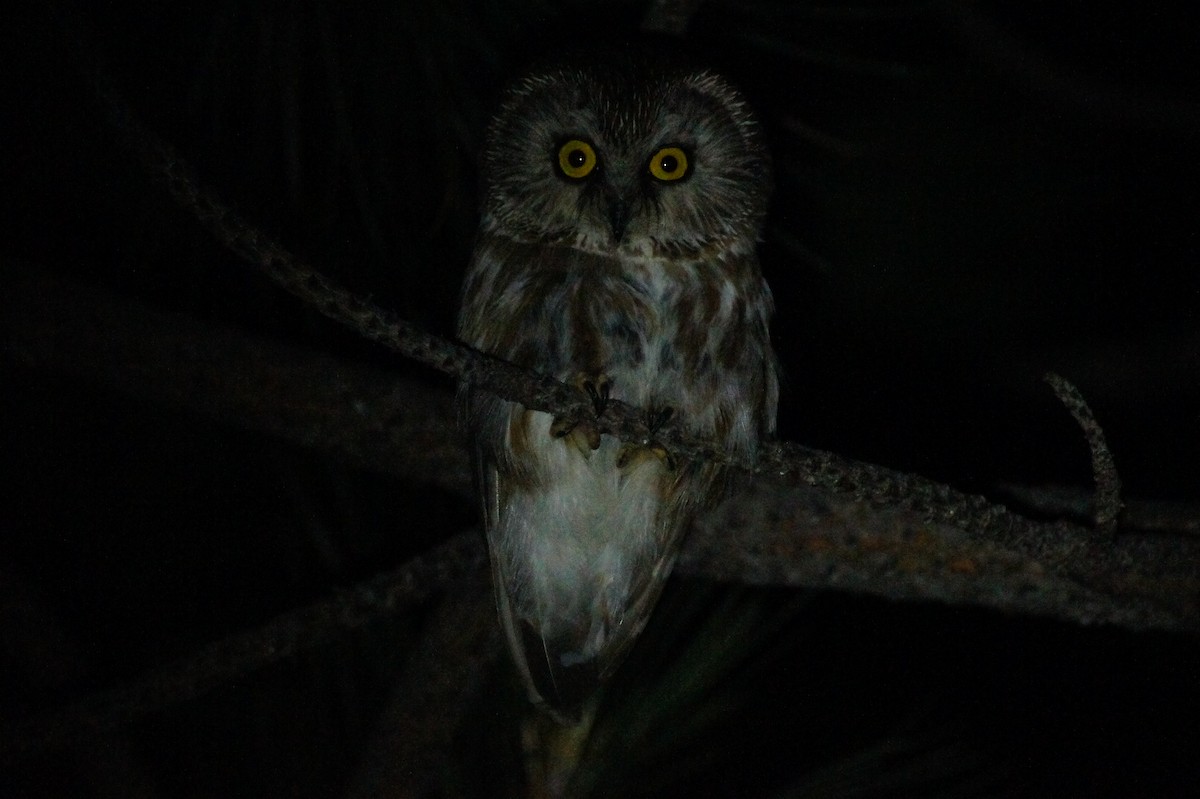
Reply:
x=576 y=159
x=669 y=163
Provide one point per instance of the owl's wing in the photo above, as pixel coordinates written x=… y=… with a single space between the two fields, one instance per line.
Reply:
x=692 y=489
x=560 y=690
x=474 y=406
x=544 y=683
x=489 y=491
x=563 y=685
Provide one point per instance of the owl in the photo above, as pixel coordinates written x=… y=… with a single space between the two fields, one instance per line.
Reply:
x=623 y=200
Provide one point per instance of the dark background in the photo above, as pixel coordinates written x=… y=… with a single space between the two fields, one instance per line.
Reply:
x=967 y=196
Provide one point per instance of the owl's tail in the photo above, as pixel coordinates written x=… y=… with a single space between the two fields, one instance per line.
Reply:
x=559 y=677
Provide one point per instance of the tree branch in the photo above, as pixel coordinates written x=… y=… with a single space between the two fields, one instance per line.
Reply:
x=365 y=416
x=815 y=519
x=772 y=534
x=428 y=702
x=533 y=390
x=219 y=663
x=1107 y=504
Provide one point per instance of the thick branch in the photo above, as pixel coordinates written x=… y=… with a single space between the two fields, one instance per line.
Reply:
x=431 y=698
x=819 y=528
x=364 y=415
x=830 y=522
x=773 y=534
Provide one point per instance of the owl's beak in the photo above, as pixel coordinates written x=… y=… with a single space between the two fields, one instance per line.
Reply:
x=618 y=216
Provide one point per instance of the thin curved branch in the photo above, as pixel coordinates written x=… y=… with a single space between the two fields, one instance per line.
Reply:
x=1107 y=504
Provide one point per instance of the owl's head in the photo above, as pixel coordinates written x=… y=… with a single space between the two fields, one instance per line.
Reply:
x=626 y=155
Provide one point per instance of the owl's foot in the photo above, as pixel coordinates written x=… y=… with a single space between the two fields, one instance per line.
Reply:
x=598 y=388
x=584 y=435
x=632 y=455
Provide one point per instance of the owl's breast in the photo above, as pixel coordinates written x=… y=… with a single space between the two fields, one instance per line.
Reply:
x=688 y=334
x=675 y=346
x=555 y=308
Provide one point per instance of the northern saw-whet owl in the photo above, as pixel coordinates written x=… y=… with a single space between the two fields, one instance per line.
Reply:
x=623 y=201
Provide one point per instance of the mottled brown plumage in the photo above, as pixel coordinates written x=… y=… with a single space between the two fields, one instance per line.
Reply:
x=623 y=201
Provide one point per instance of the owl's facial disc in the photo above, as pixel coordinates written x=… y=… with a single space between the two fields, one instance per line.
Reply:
x=632 y=158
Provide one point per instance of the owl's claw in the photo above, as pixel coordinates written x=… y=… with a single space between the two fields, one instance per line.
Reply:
x=598 y=390
x=584 y=435
x=632 y=455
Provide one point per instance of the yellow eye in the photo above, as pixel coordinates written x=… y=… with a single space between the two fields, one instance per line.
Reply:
x=669 y=163
x=576 y=159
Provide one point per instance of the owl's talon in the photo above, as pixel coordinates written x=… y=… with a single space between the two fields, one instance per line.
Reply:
x=664 y=455
x=599 y=391
x=625 y=456
x=632 y=455
x=561 y=426
x=583 y=435
x=586 y=439
x=597 y=387
x=589 y=435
